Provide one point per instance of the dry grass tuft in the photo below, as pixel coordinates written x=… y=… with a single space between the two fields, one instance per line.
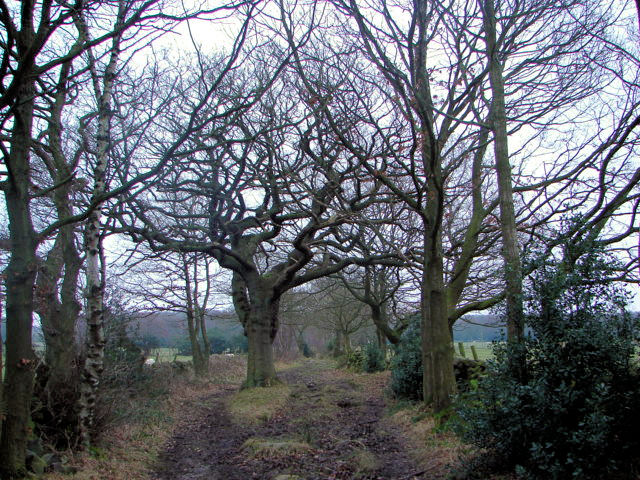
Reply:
x=269 y=448
x=435 y=451
x=257 y=405
x=365 y=461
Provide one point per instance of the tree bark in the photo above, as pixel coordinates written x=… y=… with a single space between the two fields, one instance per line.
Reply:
x=20 y=280
x=511 y=251
x=94 y=362
x=195 y=325
x=58 y=306
x=257 y=307
x=261 y=371
x=382 y=342
x=2 y=407
x=337 y=349
x=379 y=317
x=437 y=347
x=59 y=310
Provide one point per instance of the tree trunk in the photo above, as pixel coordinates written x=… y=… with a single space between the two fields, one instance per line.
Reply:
x=200 y=363
x=195 y=323
x=257 y=308
x=379 y=317
x=59 y=315
x=511 y=251
x=20 y=279
x=437 y=347
x=206 y=345
x=382 y=342
x=94 y=362
x=261 y=371
x=337 y=349
x=346 y=342
x=2 y=407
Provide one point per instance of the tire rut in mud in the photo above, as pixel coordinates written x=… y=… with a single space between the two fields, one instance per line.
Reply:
x=338 y=416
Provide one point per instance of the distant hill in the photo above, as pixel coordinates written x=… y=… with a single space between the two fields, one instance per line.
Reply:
x=172 y=326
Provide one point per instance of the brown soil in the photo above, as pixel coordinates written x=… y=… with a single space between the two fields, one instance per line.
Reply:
x=340 y=415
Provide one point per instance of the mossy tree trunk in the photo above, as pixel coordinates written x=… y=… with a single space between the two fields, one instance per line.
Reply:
x=57 y=283
x=339 y=342
x=511 y=250
x=59 y=309
x=20 y=277
x=261 y=371
x=257 y=306
x=437 y=345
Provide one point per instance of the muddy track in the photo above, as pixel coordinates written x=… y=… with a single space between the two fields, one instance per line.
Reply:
x=339 y=415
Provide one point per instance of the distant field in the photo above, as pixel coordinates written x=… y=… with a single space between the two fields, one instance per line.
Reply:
x=168 y=355
x=483 y=349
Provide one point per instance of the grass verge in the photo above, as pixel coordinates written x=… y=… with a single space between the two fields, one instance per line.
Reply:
x=435 y=450
x=256 y=405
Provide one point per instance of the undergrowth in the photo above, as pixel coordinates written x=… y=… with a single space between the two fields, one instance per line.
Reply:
x=138 y=420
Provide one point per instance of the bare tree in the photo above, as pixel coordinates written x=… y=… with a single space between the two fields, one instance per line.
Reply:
x=187 y=283
x=39 y=40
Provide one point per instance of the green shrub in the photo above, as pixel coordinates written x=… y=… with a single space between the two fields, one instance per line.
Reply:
x=355 y=359
x=306 y=350
x=576 y=413
x=374 y=360
x=406 y=364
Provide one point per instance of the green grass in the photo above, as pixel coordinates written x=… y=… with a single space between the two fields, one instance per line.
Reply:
x=484 y=350
x=168 y=355
x=257 y=405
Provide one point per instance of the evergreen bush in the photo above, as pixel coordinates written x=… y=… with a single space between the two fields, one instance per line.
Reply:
x=406 y=364
x=355 y=359
x=306 y=350
x=374 y=360
x=576 y=413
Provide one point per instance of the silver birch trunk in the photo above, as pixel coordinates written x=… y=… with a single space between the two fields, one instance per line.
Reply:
x=94 y=362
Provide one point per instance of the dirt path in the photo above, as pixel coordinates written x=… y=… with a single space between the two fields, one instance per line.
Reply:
x=332 y=427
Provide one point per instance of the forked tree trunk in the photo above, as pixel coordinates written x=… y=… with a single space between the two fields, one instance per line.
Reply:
x=195 y=323
x=200 y=358
x=58 y=306
x=59 y=316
